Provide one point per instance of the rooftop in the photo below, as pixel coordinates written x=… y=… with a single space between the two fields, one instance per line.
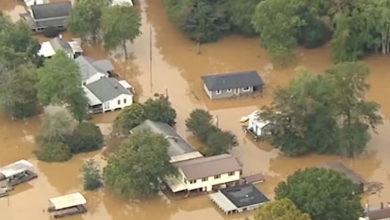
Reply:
x=232 y=80
x=177 y=144
x=208 y=166
x=342 y=168
x=89 y=67
x=51 y=10
x=106 y=89
x=15 y=168
x=67 y=201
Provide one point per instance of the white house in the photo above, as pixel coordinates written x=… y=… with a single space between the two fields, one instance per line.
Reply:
x=107 y=94
x=206 y=173
x=29 y=3
x=257 y=126
x=120 y=2
x=49 y=48
x=92 y=70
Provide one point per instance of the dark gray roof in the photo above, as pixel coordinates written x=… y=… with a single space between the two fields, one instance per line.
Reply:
x=232 y=80
x=51 y=10
x=177 y=144
x=106 y=89
x=202 y=167
x=60 y=44
x=89 y=67
x=244 y=195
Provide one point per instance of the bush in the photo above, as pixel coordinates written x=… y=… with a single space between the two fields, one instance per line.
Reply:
x=53 y=152
x=160 y=109
x=199 y=123
x=51 y=32
x=129 y=118
x=314 y=34
x=86 y=137
x=91 y=175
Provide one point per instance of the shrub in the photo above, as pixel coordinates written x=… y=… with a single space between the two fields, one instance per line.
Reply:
x=91 y=175
x=51 y=32
x=86 y=137
x=129 y=118
x=53 y=152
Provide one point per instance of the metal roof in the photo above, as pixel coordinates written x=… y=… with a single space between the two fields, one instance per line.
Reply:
x=89 y=67
x=232 y=80
x=202 y=167
x=60 y=44
x=244 y=195
x=16 y=168
x=51 y=10
x=67 y=201
x=177 y=144
x=222 y=201
x=106 y=89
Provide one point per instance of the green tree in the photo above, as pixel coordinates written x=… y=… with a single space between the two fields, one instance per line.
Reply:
x=199 y=123
x=85 y=137
x=129 y=118
x=278 y=36
x=355 y=115
x=53 y=151
x=91 y=175
x=283 y=209
x=139 y=167
x=120 y=24
x=160 y=109
x=59 y=82
x=57 y=125
x=322 y=193
x=18 y=95
x=219 y=142
x=85 y=19
x=240 y=15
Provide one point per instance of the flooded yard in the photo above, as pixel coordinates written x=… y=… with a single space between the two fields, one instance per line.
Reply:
x=164 y=61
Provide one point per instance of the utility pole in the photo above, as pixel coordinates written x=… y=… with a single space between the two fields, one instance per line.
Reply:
x=151 y=59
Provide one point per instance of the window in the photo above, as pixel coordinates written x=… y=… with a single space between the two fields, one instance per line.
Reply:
x=231 y=173
x=119 y=101
x=218 y=92
x=217 y=176
x=124 y=101
x=192 y=181
x=229 y=90
x=246 y=89
x=205 y=179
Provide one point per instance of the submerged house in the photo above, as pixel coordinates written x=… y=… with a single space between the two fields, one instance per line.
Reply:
x=204 y=174
x=107 y=94
x=50 y=15
x=17 y=172
x=229 y=85
x=239 y=198
x=179 y=149
x=257 y=126
x=92 y=70
x=49 y=48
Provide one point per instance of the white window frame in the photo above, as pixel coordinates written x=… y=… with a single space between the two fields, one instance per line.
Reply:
x=218 y=92
x=229 y=90
x=246 y=89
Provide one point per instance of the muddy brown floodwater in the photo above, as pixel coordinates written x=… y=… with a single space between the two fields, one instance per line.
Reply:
x=175 y=70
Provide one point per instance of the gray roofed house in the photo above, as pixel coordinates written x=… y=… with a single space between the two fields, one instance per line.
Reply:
x=106 y=89
x=232 y=84
x=239 y=198
x=179 y=149
x=202 y=167
x=50 y=15
x=92 y=70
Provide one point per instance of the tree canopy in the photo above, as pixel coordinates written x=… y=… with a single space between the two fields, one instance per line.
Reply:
x=139 y=167
x=85 y=137
x=59 y=82
x=160 y=109
x=324 y=113
x=120 y=24
x=283 y=209
x=322 y=193
x=92 y=179
x=130 y=117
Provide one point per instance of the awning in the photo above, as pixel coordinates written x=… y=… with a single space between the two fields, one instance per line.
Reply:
x=67 y=201
x=224 y=203
x=16 y=168
x=175 y=184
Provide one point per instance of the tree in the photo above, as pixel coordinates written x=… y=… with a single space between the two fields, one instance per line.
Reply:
x=139 y=167
x=355 y=115
x=91 y=175
x=282 y=209
x=322 y=193
x=219 y=142
x=160 y=109
x=85 y=19
x=199 y=123
x=129 y=118
x=18 y=95
x=59 y=82
x=120 y=23
x=53 y=151
x=240 y=15
x=85 y=137
x=278 y=36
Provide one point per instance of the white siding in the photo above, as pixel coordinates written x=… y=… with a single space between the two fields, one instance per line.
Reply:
x=207 y=185
x=113 y=104
x=94 y=78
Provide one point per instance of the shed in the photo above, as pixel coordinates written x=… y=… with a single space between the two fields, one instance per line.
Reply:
x=50 y=15
x=16 y=168
x=67 y=201
x=233 y=84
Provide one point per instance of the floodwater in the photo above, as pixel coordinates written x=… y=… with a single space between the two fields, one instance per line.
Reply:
x=164 y=61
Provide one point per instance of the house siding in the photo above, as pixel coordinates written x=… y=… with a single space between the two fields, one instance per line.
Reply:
x=113 y=104
x=226 y=93
x=211 y=181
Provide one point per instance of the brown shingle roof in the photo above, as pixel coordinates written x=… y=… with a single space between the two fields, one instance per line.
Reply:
x=379 y=214
x=208 y=166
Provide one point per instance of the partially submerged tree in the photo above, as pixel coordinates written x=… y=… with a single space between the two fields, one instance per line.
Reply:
x=53 y=151
x=120 y=24
x=283 y=209
x=199 y=123
x=140 y=166
x=219 y=142
x=85 y=19
x=85 y=137
x=129 y=118
x=60 y=83
x=160 y=109
x=92 y=179
x=322 y=193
